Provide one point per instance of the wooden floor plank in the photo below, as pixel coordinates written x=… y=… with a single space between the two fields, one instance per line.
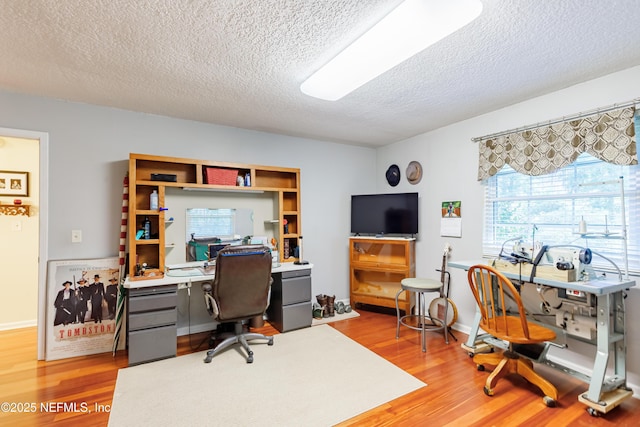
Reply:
x=453 y=396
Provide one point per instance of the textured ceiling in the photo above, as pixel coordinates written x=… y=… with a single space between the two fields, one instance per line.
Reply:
x=240 y=62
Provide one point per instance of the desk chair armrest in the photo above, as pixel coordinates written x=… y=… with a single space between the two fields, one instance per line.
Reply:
x=209 y=301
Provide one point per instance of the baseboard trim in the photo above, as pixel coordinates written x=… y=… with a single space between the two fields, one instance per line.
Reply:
x=18 y=325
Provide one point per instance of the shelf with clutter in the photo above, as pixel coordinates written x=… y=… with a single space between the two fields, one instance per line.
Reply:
x=150 y=176
x=14 y=210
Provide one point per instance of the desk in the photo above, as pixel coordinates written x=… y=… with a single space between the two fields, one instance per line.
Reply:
x=152 y=306
x=605 y=392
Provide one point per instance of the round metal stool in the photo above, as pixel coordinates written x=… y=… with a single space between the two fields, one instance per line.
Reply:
x=419 y=321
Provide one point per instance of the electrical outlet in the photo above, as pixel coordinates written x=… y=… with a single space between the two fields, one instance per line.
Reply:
x=76 y=236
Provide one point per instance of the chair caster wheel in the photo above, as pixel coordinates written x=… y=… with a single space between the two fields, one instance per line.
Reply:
x=549 y=401
x=480 y=368
x=487 y=391
x=593 y=412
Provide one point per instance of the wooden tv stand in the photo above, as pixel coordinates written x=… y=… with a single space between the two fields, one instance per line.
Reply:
x=377 y=265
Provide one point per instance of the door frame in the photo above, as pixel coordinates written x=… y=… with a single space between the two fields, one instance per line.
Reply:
x=43 y=224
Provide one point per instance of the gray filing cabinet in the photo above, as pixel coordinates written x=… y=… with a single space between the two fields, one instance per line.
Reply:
x=151 y=323
x=290 y=306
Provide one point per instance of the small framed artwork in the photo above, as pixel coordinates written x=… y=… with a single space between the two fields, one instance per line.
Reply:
x=14 y=183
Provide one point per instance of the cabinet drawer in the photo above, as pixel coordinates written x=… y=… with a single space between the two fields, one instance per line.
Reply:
x=296 y=316
x=295 y=290
x=291 y=317
x=152 y=344
x=153 y=302
x=296 y=273
x=152 y=290
x=151 y=319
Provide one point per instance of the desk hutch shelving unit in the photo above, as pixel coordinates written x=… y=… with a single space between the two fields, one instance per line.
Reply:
x=377 y=266
x=192 y=174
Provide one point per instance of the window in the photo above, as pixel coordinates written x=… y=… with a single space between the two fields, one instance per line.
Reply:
x=549 y=208
x=205 y=222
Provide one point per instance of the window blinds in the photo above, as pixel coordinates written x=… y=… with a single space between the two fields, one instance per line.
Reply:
x=203 y=222
x=548 y=209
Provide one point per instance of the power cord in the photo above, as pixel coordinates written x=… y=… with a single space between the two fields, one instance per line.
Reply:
x=189 y=322
x=513 y=258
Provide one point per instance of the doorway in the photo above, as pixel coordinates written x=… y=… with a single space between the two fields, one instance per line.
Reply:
x=24 y=231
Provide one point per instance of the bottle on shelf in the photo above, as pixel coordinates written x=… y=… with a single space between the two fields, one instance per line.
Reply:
x=153 y=201
x=146 y=228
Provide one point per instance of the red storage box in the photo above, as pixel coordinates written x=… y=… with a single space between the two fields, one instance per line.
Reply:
x=221 y=176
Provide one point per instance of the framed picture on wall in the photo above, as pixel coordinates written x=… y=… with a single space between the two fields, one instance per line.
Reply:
x=14 y=183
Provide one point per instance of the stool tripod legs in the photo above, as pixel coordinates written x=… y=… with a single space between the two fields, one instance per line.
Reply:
x=418 y=321
x=420 y=316
x=422 y=319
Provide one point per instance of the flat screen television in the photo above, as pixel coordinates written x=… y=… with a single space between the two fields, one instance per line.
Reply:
x=384 y=214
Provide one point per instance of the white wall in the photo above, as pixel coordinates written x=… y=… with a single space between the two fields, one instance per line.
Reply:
x=89 y=148
x=450 y=162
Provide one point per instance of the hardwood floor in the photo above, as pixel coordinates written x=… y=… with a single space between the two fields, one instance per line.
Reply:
x=453 y=395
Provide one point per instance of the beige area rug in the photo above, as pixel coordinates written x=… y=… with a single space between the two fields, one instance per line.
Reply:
x=336 y=318
x=309 y=377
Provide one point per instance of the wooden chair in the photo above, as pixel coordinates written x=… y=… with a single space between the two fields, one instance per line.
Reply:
x=493 y=291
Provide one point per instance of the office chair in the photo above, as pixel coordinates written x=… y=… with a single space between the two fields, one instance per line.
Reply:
x=239 y=292
x=493 y=291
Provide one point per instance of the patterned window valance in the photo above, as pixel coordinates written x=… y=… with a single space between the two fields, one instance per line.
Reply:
x=608 y=136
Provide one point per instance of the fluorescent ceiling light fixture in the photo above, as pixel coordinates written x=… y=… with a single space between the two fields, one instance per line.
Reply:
x=408 y=29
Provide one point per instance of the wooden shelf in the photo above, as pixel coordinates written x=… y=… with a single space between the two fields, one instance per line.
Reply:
x=14 y=210
x=191 y=174
x=377 y=268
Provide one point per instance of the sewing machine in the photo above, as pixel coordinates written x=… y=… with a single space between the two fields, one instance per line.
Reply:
x=591 y=311
x=562 y=263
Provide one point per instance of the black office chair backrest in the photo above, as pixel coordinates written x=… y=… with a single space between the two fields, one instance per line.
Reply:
x=242 y=280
